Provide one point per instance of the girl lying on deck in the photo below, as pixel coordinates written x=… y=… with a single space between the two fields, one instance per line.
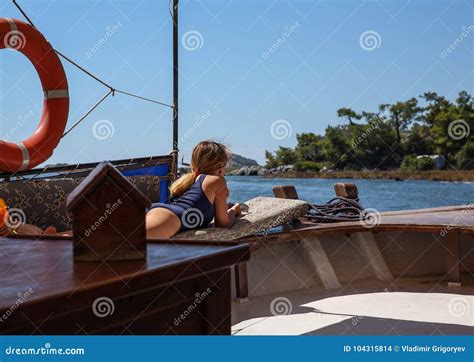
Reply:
x=197 y=198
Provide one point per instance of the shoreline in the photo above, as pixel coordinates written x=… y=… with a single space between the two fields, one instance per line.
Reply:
x=451 y=176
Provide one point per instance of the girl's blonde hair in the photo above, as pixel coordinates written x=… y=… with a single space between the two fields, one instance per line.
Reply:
x=208 y=157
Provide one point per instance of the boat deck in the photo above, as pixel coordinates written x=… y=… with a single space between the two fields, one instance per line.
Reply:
x=435 y=240
x=431 y=220
x=410 y=306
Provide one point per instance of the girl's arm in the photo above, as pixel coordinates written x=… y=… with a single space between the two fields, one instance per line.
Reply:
x=224 y=217
x=232 y=213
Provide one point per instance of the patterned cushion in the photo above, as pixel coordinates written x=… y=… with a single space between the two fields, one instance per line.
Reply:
x=263 y=214
x=43 y=201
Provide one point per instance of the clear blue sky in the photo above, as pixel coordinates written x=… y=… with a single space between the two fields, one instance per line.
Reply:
x=316 y=68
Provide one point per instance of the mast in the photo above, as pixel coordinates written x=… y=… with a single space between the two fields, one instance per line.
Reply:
x=175 y=78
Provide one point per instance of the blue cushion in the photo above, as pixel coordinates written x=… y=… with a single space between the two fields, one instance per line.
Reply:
x=158 y=170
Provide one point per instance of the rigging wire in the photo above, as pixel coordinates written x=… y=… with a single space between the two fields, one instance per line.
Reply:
x=140 y=97
x=112 y=90
x=82 y=69
x=24 y=14
x=88 y=112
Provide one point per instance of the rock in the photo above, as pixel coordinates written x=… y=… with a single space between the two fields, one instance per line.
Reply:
x=256 y=170
x=253 y=170
x=285 y=168
x=241 y=161
x=249 y=171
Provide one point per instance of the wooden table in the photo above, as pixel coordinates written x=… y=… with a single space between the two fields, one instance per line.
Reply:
x=181 y=288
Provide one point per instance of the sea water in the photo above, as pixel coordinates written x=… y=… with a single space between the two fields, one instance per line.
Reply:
x=383 y=195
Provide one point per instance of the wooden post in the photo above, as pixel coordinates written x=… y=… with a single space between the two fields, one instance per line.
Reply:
x=346 y=190
x=175 y=79
x=285 y=192
x=241 y=283
x=453 y=262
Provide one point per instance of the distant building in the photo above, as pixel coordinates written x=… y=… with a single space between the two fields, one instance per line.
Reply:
x=438 y=161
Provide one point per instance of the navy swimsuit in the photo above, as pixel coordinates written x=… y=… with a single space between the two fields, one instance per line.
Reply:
x=193 y=207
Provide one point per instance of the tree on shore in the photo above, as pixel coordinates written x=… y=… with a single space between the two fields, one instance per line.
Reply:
x=349 y=115
x=401 y=115
x=392 y=138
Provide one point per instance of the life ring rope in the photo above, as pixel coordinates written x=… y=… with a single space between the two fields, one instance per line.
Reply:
x=12 y=23
x=25 y=154
x=56 y=93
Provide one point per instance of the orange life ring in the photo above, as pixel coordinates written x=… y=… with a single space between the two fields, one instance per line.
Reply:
x=18 y=35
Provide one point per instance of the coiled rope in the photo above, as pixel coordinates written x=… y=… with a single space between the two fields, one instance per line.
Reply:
x=335 y=210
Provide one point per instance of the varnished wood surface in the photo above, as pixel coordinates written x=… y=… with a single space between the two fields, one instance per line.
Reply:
x=457 y=218
x=47 y=267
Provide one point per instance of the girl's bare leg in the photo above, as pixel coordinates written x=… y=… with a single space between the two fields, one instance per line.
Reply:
x=28 y=229
x=50 y=230
x=162 y=223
